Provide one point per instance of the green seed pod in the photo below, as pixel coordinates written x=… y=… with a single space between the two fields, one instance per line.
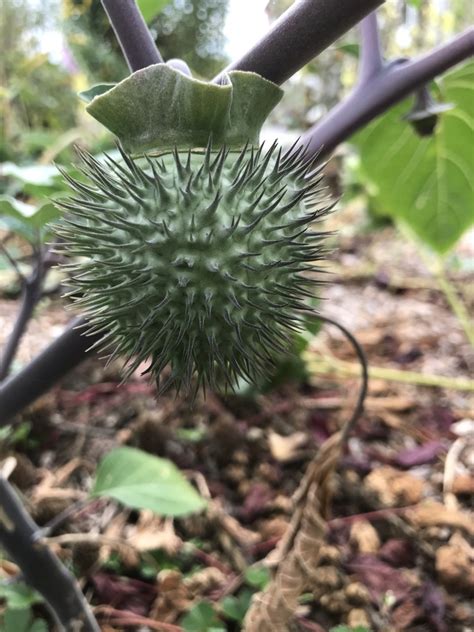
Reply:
x=200 y=260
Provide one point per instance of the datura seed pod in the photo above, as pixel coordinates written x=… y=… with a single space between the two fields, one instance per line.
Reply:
x=202 y=261
x=199 y=260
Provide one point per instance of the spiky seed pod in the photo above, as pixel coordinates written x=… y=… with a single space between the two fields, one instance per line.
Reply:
x=196 y=260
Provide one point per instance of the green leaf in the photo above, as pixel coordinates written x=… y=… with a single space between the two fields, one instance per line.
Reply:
x=235 y=608
x=257 y=576
x=12 y=207
x=138 y=479
x=39 y=625
x=151 y=8
x=27 y=220
x=159 y=107
x=350 y=48
x=45 y=214
x=425 y=183
x=19 y=596
x=16 y=620
x=98 y=89
x=202 y=618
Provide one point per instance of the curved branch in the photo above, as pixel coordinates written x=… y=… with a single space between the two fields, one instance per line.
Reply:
x=301 y=33
x=391 y=84
x=132 y=33
x=31 y=294
x=40 y=567
x=44 y=371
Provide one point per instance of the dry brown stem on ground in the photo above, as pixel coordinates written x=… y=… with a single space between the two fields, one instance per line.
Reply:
x=271 y=610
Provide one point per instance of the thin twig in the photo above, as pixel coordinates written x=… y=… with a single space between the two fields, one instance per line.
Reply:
x=455 y=303
x=32 y=287
x=12 y=261
x=359 y=407
x=48 y=529
x=128 y=619
x=326 y=365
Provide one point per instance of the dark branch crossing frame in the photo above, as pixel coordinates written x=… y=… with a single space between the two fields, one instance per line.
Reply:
x=302 y=32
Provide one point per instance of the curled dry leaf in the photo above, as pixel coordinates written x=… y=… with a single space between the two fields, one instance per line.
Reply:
x=364 y=537
x=285 y=449
x=173 y=596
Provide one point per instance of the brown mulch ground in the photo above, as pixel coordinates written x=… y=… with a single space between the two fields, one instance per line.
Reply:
x=398 y=553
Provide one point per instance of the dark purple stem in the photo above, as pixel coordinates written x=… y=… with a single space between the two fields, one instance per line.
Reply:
x=32 y=287
x=301 y=33
x=371 y=58
x=390 y=84
x=131 y=31
x=42 y=373
x=40 y=567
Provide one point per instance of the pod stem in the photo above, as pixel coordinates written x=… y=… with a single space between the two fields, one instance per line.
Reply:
x=132 y=33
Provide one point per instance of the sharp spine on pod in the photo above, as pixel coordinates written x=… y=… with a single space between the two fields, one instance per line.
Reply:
x=199 y=260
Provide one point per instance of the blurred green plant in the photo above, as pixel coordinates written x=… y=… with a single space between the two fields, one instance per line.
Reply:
x=37 y=98
x=194 y=31
x=202 y=618
x=18 y=615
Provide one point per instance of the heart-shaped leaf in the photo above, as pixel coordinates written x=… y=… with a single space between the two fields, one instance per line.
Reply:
x=427 y=183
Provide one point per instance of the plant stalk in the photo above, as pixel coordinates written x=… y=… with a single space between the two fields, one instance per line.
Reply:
x=44 y=371
x=40 y=567
x=32 y=287
x=327 y=365
x=131 y=31
x=455 y=303
x=389 y=85
x=301 y=33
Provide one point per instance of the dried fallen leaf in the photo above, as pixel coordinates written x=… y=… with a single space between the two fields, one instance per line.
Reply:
x=151 y=532
x=285 y=449
x=364 y=537
x=455 y=567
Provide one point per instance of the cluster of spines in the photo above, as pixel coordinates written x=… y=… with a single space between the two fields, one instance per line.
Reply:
x=129 y=207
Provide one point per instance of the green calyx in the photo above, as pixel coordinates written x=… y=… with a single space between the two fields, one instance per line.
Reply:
x=198 y=263
x=160 y=107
